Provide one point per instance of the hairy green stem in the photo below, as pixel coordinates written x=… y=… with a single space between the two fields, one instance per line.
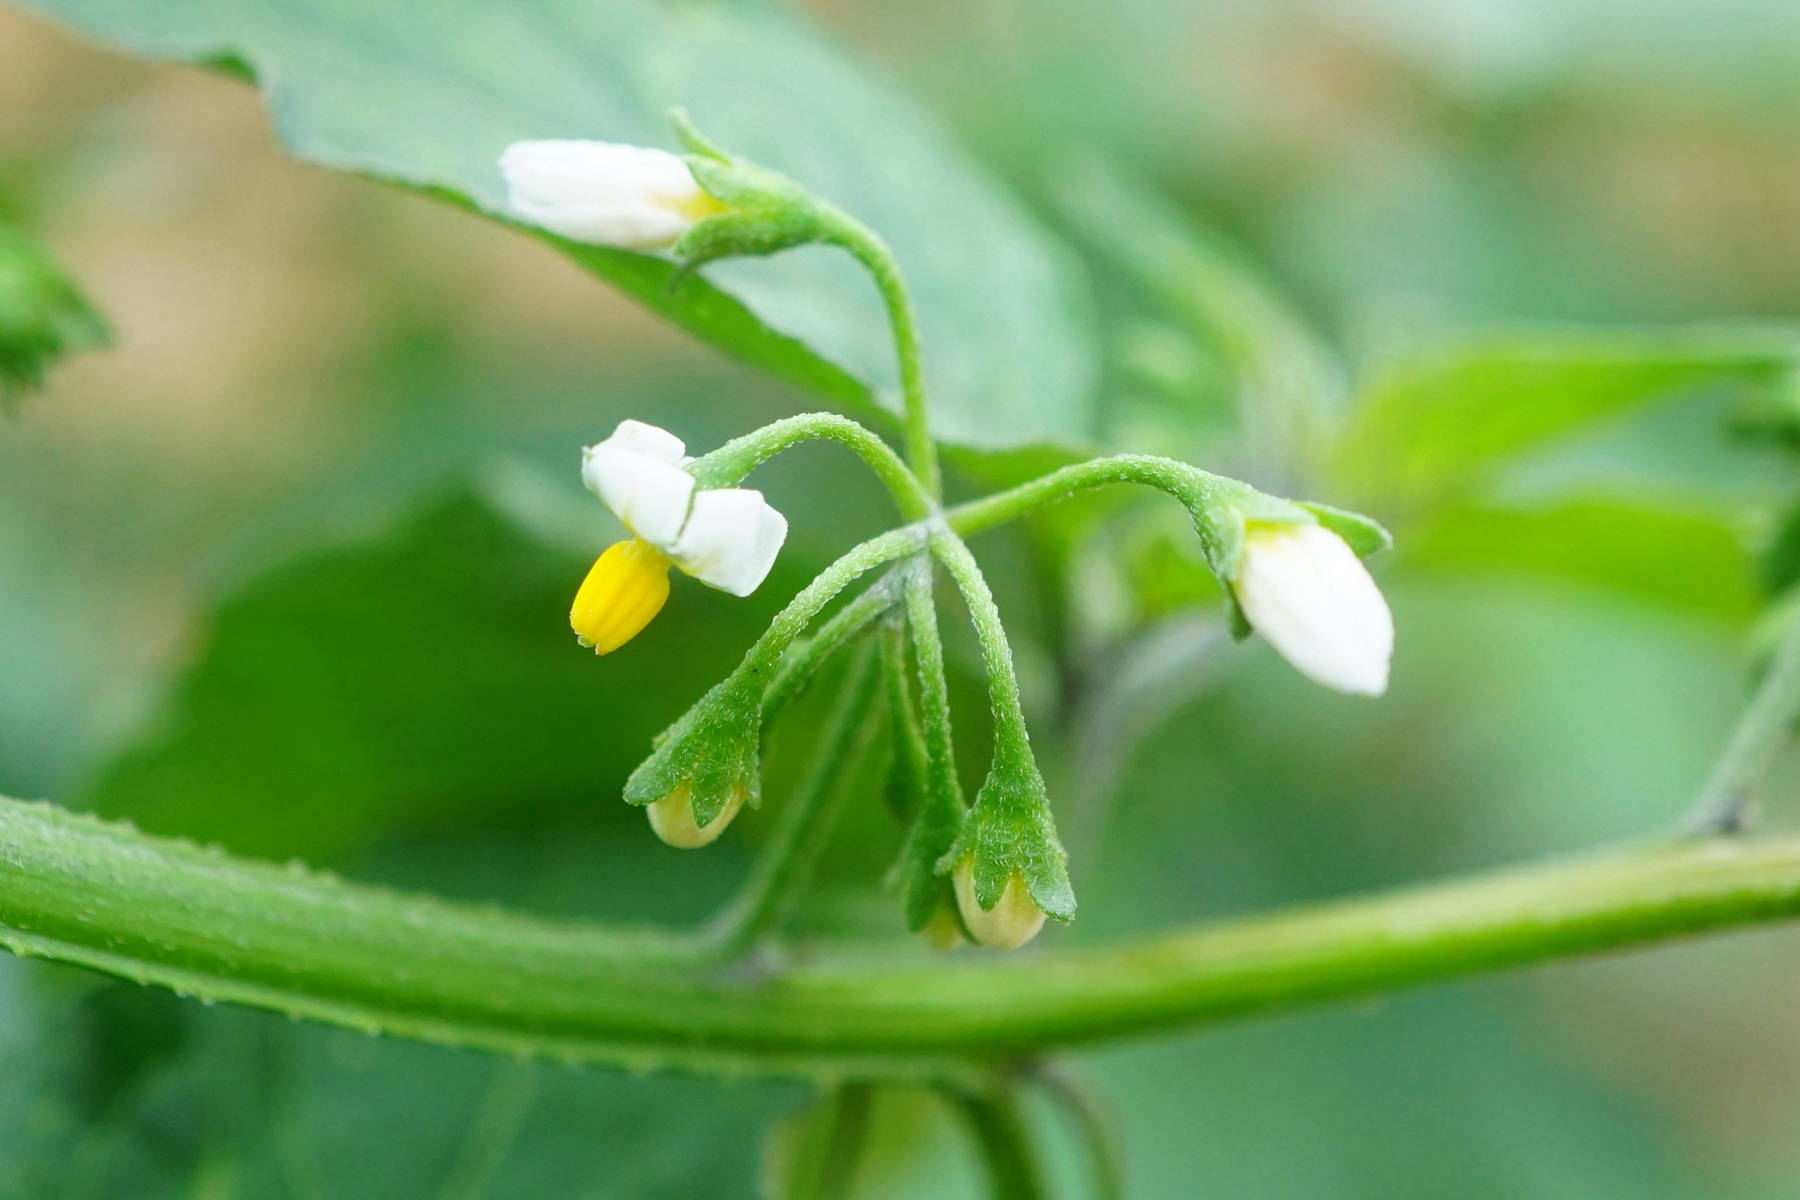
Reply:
x=727 y=466
x=764 y=658
x=785 y=866
x=805 y=657
x=1728 y=800
x=100 y=895
x=1193 y=487
x=996 y=651
x=873 y=253
x=941 y=785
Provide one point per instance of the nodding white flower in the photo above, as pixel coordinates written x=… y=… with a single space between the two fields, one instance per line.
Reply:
x=606 y=194
x=726 y=538
x=1304 y=589
x=1015 y=918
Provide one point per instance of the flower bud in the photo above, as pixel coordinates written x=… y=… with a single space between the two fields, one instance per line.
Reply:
x=1014 y=918
x=704 y=767
x=943 y=931
x=1303 y=588
x=672 y=817
x=605 y=194
x=1007 y=867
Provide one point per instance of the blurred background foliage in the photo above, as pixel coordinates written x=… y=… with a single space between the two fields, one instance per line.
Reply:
x=287 y=569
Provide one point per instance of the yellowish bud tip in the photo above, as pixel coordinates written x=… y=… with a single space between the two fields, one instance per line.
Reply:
x=624 y=591
x=672 y=818
x=1015 y=918
x=942 y=932
x=699 y=206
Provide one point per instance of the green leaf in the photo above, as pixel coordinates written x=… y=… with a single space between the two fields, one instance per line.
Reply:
x=1436 y=422
x=429 y=100
x=1687 y=559
x=42 y=317
x=409 y=681
x=1285 y=376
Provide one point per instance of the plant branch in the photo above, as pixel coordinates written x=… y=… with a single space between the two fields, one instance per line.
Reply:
x=1186 y=483
x=727 y=466
x=162 y=912
x=1003 y=1135
x=867 y=247
x=786 y=863
x=1727 y=803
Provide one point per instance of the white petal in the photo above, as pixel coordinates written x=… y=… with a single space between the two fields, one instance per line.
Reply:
x=649 y=495
x=730 y=540
x=1303 y=588
x=599 y=192
x=652 y=441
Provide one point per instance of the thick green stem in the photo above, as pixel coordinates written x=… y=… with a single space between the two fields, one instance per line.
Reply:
x=786 y=863
x=1728 y=801
x=727 y=466
x=168 y=913
x=873 y=253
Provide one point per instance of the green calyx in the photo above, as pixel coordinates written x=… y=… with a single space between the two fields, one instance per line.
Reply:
x=1011 y=831
x=765 y=211
x=711 y=751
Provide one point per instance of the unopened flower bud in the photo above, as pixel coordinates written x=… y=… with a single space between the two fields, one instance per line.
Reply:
x=605 y=194
x=943 y=931
x=672 y=817
x=1014 y=918
x=1303 y=588
x=704 y=768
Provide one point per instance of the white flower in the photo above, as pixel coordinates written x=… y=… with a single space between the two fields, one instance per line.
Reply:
x=606 y=194
x=726 y=538
x=1304 y=589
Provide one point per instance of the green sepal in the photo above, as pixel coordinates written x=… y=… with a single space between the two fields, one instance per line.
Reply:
x=766 y=211
x=1224 y=509
x=713 y=748
x=1364 y=535
x=1011 y=831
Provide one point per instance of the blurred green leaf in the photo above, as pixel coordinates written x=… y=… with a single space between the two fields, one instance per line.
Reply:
x=429 y=98
x=1285 y=376
x=1689 y=560
x=42 y=317
x=1435 y=423
x=409 y=681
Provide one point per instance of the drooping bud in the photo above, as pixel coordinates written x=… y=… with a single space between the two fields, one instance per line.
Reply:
x=1303 y=588
x=672 y=818
x=762 y=211
x=1008 y=867
x=1014 y=918
x=605 y=194
x=704 y=767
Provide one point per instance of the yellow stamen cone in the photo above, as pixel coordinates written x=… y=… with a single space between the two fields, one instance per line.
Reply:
x=624 y=591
